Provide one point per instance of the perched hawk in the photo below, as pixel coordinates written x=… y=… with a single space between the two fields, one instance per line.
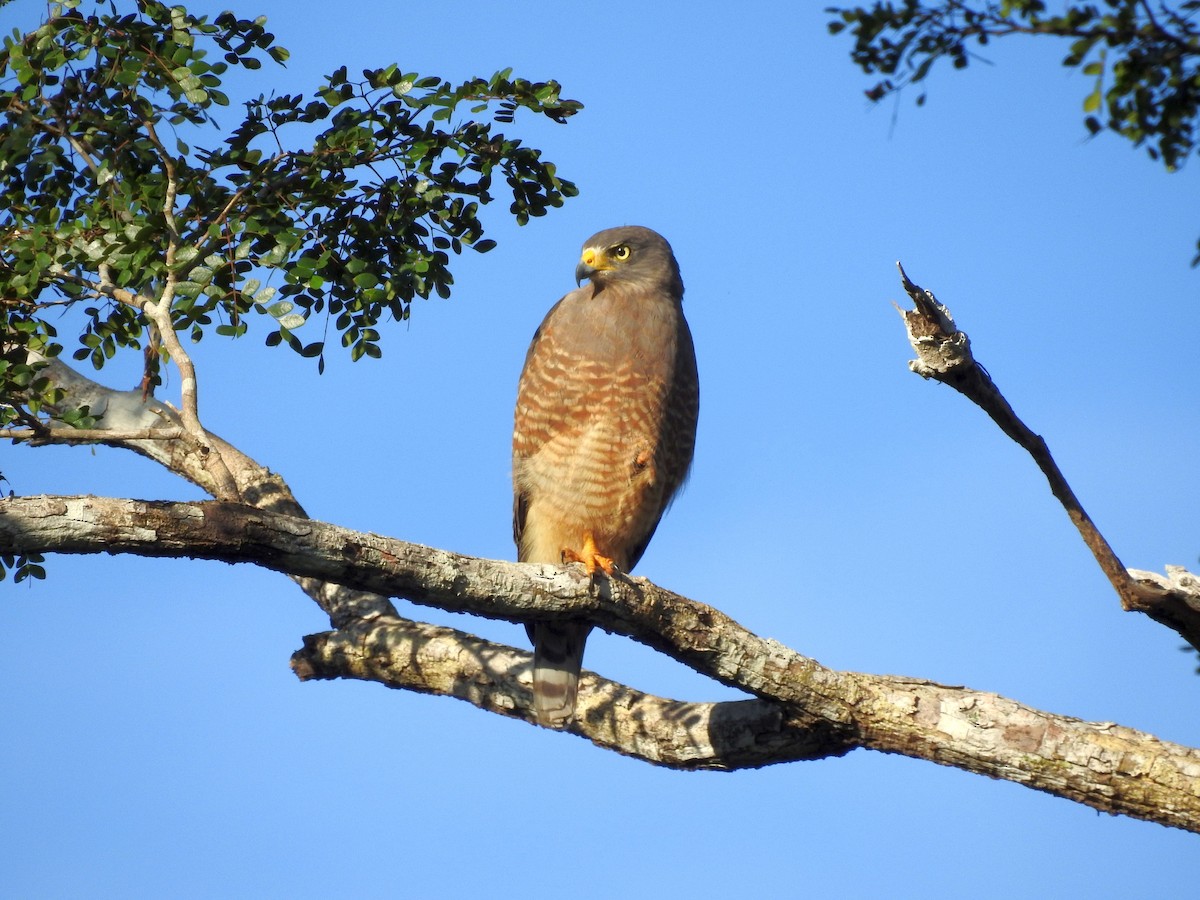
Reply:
x=604 y=432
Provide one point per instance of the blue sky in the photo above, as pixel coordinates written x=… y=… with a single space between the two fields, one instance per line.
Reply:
x=156 y=743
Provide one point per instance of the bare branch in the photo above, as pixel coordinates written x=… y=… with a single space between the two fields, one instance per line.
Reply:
x=433 y=659
x=37 y=436
x=1103 y=765
x=803 y=711
x=1172 y=600
x=944 y=354
x=123 y=412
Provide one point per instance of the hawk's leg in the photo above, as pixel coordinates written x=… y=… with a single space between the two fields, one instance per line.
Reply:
x=589 y=556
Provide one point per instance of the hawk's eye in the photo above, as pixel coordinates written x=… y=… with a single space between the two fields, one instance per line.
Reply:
x=620 y=252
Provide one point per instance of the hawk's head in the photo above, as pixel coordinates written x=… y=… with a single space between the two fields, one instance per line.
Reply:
x=630 y=255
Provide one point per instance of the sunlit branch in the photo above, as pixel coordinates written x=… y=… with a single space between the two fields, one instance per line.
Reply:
x=131 y=411
x=169 y=194
x=36 y=436
x=433 y=659
x=826 y=711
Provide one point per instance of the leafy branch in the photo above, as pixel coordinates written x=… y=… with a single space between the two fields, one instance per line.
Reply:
x=1144 y=58
x=353 y=200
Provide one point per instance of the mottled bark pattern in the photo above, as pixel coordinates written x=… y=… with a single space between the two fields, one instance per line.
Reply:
x=803 y=711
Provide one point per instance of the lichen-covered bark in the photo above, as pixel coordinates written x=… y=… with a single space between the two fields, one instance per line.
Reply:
x=803 y=710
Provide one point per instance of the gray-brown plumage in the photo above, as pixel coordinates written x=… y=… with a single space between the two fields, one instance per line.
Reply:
x=604 y=432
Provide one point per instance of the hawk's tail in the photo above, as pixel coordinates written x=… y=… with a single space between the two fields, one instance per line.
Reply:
x=557 y=658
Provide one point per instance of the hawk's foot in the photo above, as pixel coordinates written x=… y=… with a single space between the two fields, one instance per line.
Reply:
x=589 y=556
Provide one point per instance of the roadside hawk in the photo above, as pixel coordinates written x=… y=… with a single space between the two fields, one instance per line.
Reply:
x=604 y=431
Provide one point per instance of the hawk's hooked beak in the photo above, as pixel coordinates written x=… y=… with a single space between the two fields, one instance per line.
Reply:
x=591 y=263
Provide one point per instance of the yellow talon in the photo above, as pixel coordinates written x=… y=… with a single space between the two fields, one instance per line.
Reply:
x=589 y=556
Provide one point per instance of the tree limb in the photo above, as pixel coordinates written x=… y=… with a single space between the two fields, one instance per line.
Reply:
x=804 y=709
x=38 y=436
x=124 y=413
x=433 y=659
x=159 y=313
x=944 y=354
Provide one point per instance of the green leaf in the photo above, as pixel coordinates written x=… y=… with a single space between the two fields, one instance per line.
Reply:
x=288 y=187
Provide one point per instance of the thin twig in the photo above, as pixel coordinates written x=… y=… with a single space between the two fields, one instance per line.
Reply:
x=37 y=436
x=172 y=188
x=159 y=312
x=58 y=130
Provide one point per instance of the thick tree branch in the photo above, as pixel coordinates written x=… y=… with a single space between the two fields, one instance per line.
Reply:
x=436 y=660
x=820 y=711
x=944 y=354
